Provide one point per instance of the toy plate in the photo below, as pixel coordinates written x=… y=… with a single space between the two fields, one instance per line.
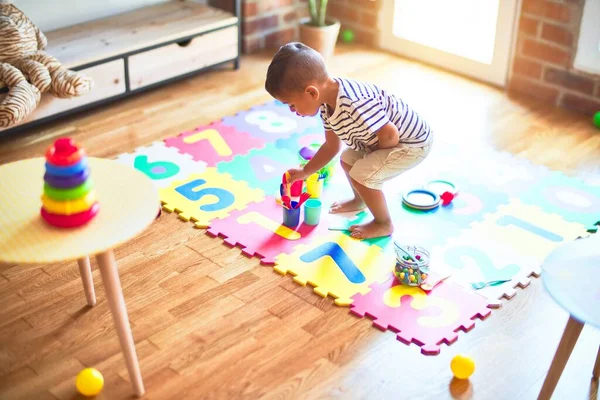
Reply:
x=421 y=199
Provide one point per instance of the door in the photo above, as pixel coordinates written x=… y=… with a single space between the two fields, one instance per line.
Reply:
x=471 y=37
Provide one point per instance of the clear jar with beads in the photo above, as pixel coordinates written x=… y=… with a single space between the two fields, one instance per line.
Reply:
x=412 y=264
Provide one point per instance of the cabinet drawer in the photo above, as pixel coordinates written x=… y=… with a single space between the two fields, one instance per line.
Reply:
x=109 y=80
x=176 y=59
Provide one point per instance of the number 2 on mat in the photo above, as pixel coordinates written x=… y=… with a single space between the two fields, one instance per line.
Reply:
x=455 y=258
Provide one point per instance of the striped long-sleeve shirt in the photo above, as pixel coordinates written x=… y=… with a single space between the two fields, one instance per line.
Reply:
x=363 y=108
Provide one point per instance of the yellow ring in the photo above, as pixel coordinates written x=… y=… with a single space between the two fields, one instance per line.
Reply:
x=69 y=207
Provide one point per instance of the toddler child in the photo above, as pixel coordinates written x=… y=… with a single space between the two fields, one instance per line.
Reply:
x=384 y=136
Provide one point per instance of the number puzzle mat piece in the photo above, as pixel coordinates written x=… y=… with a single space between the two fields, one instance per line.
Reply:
x=568 y=197
x=299 y=140
x=528 y=230
x=472 y=257
x=433 y=227
x=336 y=265
x=214 y=143
x=271 y=121
x=502 y=172
x=257 y=229
x=162 y=164
x=261 y=168
x=422 y=228
x=206 y=196
x=426 y=319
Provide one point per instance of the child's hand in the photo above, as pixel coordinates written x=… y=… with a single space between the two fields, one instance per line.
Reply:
x=297 y=174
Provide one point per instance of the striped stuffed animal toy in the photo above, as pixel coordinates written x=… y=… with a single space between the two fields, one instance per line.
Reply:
x=27 y=70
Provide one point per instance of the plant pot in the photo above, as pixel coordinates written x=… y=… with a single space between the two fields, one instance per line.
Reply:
x=320 y=38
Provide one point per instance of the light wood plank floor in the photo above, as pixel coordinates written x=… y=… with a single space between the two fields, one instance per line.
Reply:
x=211 y=323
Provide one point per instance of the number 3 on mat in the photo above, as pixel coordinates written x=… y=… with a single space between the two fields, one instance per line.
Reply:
x=339 y=256
x=224 y=197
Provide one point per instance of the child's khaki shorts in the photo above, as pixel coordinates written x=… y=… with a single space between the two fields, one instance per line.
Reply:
x=374 y=168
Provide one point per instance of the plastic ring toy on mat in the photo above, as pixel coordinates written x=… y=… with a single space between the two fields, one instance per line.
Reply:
x=440 y=187
x=69 y=207
x=68 y=194
x=64 y=160
x=421 y=199
x=67 y=171
x=67 y=182
x=73 y=220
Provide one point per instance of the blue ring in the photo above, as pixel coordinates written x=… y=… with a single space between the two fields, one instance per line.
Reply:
x=66 y=182
x=67 y=171
x=434 y=202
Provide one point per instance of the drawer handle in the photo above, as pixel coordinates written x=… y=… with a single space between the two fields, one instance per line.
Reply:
x=184 y=43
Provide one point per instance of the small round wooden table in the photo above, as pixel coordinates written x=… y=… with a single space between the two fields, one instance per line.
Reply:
x=128 y=202
x=571 y=274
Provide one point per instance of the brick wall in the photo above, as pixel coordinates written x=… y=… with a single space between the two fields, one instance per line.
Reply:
x=271 y=23
x=545 y=49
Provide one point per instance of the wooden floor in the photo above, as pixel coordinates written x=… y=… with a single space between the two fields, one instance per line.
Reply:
x=211 y=323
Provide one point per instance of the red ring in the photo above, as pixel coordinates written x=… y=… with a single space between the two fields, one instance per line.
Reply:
x=73 y=220
x=64 y=160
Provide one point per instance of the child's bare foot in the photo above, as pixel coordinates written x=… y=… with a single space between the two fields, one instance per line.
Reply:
x=372 y=229
x=356 y=204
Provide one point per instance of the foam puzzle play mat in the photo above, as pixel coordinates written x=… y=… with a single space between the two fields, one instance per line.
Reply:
x=471 y=231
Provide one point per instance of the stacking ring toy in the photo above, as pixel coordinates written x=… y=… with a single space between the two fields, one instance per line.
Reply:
x=68 y=194
x=69 y=207
x=81 y=165
x=65 y=152
x=73 y=220
x=67 y=182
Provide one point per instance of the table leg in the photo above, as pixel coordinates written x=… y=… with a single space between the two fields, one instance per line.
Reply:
x=116 y=302
x=563 y=352
x=88 y=283
x=596 y=373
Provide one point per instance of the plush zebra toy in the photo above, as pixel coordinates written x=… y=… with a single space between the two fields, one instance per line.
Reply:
x=27 y=70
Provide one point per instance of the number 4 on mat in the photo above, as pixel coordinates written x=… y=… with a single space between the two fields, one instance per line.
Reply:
x=339 y=256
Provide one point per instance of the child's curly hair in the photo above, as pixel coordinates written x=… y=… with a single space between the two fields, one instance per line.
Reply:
x=294 y=66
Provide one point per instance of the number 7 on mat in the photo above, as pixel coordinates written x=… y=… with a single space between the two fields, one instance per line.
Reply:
x=339 y=256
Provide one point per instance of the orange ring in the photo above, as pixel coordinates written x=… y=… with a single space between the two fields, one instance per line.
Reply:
x=64 y=160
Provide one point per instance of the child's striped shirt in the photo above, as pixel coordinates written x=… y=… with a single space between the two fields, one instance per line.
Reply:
x=363 y=108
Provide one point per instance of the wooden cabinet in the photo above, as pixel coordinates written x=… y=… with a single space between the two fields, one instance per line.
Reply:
x=167 y=62
x=138 y=50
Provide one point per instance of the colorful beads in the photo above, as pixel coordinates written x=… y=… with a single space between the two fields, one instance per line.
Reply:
x=69 y=199
x=411 y=270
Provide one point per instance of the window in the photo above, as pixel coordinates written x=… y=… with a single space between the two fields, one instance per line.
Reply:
x=587 y=58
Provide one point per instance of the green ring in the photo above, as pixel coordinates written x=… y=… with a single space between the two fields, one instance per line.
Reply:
x=74 y=193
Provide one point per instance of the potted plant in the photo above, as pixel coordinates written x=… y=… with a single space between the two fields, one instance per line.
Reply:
x=318 y=31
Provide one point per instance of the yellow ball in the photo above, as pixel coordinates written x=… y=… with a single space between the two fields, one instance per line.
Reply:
x=89 y=382
x=462 y=366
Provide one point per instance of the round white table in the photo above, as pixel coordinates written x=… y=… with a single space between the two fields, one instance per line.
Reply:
x=571 y=275
x=129 y=203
